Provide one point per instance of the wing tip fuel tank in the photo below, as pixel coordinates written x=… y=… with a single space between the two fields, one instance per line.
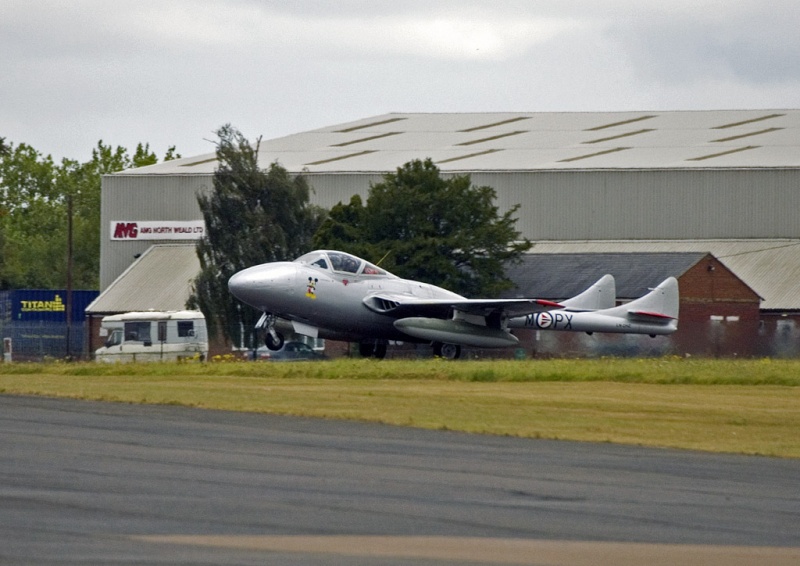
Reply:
x=455 y=332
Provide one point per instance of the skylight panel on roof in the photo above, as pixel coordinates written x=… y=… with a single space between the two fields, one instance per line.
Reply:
x=341 y=157
x=467 y=156
x=370 y=138
x=596 y=154
x=193 y=163
x=370 y=125
x=497 y=137
x=721 y=153
x=748 y=134
x=623 y=135
x=743 y=122
x=622 y=123
x=493 y=124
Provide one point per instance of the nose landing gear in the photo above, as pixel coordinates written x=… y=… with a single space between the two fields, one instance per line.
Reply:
x=272 y=338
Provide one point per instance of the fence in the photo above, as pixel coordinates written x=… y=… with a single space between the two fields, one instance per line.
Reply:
x=34 y=341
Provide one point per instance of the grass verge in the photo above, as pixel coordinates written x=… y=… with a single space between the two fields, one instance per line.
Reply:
x=738 y=406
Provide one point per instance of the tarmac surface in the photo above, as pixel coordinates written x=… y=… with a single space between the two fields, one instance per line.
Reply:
x=99 y=483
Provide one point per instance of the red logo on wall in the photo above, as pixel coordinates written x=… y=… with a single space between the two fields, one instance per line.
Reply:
x=126 y=230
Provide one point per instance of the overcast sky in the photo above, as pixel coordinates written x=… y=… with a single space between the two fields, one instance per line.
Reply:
x=171 y=72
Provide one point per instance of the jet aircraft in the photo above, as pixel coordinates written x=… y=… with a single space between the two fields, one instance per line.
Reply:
x=338 y=296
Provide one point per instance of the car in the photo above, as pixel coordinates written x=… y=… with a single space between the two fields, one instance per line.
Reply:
x=291 y=351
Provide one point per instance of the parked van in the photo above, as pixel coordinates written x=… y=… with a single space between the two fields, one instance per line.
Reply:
x=154 y=336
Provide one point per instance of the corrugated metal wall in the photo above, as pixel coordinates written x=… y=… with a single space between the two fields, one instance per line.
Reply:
x=669 y=204
x=331 y=189
x=143 y=197
x=636 y=205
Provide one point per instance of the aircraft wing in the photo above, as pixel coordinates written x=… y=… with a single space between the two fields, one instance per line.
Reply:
x=402 y=306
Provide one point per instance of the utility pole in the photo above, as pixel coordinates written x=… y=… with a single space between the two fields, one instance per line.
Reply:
x=69 y=276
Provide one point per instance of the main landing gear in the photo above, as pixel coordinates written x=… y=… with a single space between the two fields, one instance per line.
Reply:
x=446 y=351
x=377 y=350
x=374 y=349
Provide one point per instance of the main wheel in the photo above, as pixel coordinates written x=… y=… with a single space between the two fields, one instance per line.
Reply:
x=446 y=351
x=375 y=350
x=272 y=343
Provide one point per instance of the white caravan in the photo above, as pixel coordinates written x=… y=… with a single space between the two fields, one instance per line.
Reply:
x=154 y=336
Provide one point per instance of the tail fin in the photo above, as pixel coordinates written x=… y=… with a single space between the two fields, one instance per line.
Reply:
x=601 y=295
x=662 y=303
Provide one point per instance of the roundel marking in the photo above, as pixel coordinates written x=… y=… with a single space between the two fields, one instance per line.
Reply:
x=544 y=320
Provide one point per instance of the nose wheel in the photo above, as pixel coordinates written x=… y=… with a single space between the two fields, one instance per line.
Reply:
x=272 y=339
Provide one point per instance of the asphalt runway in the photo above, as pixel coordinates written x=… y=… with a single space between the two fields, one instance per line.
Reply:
x=96 y=483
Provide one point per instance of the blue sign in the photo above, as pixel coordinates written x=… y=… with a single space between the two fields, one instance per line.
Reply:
x=43 y=305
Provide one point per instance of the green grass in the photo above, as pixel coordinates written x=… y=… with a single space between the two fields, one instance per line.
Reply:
x=739 y=406
x=672 y=370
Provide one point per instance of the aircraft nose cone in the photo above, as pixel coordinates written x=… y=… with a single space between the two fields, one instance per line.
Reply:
x=263 y=285
x=241 y=284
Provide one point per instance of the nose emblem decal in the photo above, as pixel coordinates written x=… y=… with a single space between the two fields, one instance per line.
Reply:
x=311 y=288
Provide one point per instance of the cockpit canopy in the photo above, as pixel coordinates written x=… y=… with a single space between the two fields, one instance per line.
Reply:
x=341 y=262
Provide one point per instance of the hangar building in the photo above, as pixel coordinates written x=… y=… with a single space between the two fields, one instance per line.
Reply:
x=722 y=182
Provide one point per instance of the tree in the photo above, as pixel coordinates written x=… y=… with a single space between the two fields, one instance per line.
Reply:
x=252 y=216
x=143 y=157
x=29 y=220
x=422 y=226
x=33 y=213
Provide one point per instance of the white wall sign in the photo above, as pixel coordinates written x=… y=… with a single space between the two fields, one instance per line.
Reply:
x=157 y=229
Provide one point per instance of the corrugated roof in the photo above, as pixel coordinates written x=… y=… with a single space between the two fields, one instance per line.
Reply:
x=562 y=275
x=770 y=267
x=523 y=141
x=160 y=280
